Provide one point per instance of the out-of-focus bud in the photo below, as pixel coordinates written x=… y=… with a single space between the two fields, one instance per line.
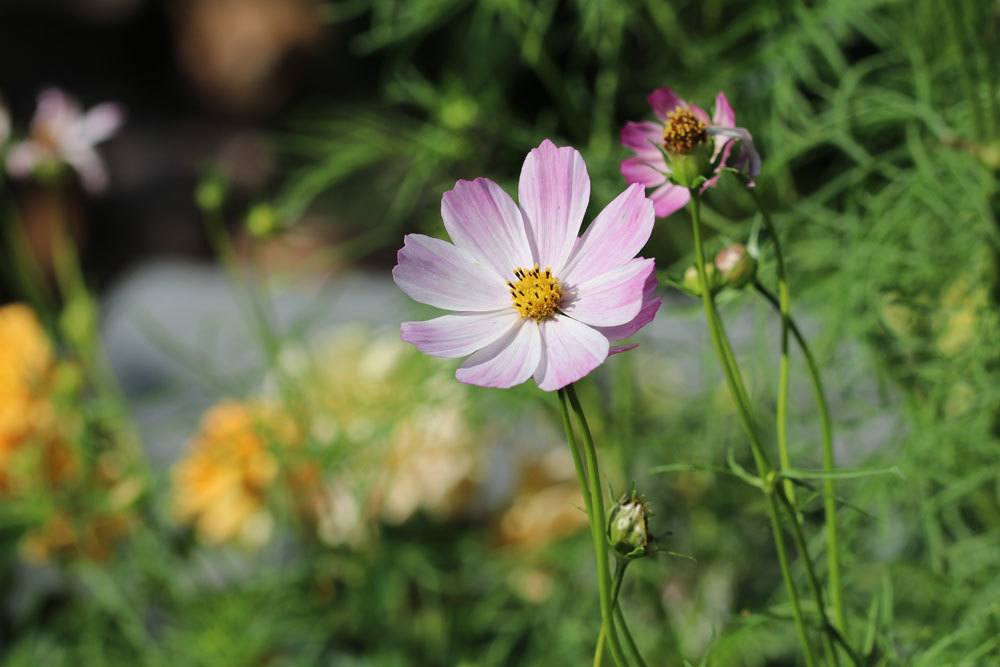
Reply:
x=68 y=380
x=736 y=266
x=628 y=526
x=692 y=281
x=210 y=193
x=78 y=321
x=262 y=221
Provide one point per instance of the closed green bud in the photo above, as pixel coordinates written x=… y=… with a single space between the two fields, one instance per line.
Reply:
x=628 y=526
x=692 y=281
x=736 y=266
x=210 y=193
x=262 y=221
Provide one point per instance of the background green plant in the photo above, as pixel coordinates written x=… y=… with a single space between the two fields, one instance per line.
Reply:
x=879 y=128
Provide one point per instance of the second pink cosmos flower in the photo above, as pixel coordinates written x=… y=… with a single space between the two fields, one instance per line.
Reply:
x=530 y=297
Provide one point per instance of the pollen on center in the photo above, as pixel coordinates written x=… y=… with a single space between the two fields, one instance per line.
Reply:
x=536 y=293
x=683 y=131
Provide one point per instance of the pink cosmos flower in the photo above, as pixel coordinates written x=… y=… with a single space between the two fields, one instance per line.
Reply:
x=62 y=133
x=529 y=297
x=680 y=128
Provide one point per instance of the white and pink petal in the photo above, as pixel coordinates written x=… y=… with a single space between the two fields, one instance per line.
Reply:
x=570 y=351
x=445 y=276
x=615 y=236
x=508 y=361
x=611 y=298
x=650 y=305
x=484 y=221
x=554 y=191
x=452 y=336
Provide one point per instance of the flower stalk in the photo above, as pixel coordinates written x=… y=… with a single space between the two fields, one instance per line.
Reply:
x=586 y=470
x=736 y=389
x=829 y=490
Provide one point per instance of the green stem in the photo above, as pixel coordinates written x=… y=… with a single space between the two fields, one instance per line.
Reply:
x=736 y=389
x=599 y=651
x=965 y=67
x=589 y=482
x=223 y=247
x=784 y=307
x=830 y=631
x=72 y=286
x=829 y=486
x=630 y=644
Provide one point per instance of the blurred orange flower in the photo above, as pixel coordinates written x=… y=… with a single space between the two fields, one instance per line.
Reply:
x=221 y=485
x=84 y=509
x=26 y=371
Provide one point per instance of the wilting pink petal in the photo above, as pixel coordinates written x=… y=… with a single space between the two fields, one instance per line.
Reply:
x=483 y=220
x=507 y=361
x=615 y=236
x=618 y=349
x=644 y=138
x=669 y=198
x=554 y=190
x=749 y=158
x=663 y=101
x=611 y=298
x=458 y=335
x=638 y=170
x=724 y=115
x=102 y=122
x=570 y=350
x=440 y=274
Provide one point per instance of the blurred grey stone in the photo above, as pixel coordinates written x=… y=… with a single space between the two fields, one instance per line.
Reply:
x=180 y=338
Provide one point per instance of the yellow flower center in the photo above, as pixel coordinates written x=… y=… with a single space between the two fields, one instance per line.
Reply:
x=683 y=131
x=536 y=294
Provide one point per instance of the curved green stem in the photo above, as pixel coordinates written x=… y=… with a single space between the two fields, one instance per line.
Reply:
x=829 y=487
x=587 y=472
x=736 y=388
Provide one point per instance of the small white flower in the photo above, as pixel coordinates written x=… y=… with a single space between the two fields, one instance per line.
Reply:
x=62 y=133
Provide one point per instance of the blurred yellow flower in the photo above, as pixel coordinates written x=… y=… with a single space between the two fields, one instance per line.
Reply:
x=61 y=535
x=26 y=371
x=409 y=421
x=221 y=485
x=84 y=502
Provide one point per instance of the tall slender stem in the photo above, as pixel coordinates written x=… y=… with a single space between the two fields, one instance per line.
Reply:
x=588 y=473
x=829 y=463
x=784 y=307
x=965 y=66
x=830 y=632
x=736 y=389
